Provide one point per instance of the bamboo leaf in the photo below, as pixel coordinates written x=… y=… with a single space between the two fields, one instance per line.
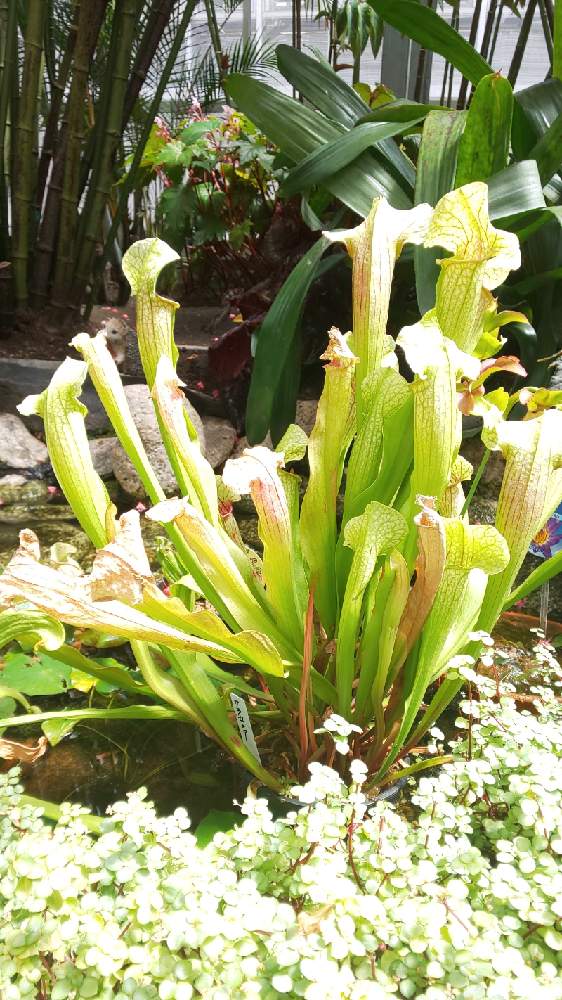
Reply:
x=485 y=143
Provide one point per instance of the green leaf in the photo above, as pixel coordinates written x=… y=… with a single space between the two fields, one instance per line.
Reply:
x=56 y=729
x=485 y=142
x=35 y=675
x=400 y=110
x=431 y=31
x=298 y=130
x=541 y=104
x=548 y=150
x=30 y=625
x=437 y=163
x=319 y=84
x=274 y=340
x=542 y=574
x=320 y=165
x=334 y=98
x=155 y=712
x=216 y=821
x=514 y=191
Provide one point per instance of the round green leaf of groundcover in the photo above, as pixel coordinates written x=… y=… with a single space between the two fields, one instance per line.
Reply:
x=216 y=820
x=34 y=675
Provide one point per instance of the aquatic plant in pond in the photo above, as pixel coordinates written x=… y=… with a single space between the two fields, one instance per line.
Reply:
x=355 y=615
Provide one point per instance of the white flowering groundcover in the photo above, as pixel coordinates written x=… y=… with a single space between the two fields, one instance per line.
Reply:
x=463 y=898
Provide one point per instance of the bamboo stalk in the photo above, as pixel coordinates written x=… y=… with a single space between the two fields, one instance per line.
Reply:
x=86 y=38
x=124 y=25
x=547 y=30
x=471 y=40
x=128 y=183
x=158 y=20
x=496 y=31
x=488 y=28
x=521 y=43
x=88 y=30
x=8 y=20
x=214 y=32
x=24 y=177
x=58 y=88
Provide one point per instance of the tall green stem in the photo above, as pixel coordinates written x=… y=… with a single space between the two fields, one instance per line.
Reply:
x=24 y=179
x=124 y=25
x=157 y=21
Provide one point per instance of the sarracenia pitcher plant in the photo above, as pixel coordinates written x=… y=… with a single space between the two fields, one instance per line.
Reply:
x=370 y=589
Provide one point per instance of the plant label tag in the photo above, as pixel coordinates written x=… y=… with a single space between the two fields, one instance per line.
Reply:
x=244 y=725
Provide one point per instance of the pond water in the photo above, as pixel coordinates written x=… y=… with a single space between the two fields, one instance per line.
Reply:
x=100 y=762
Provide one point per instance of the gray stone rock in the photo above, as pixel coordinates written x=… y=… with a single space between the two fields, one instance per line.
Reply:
x=21 y=377
x=138 y=397
x=18 y=448
x=306 y=414
x=220 y=439
x=102 y=450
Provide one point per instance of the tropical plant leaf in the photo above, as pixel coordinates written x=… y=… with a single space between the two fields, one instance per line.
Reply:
x=325 y=161
x=274 y=341
x=485 y=142
x=298 y=131
x=437 y=163
x=548 y=150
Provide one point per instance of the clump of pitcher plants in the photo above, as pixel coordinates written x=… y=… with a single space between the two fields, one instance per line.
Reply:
x=353 y=610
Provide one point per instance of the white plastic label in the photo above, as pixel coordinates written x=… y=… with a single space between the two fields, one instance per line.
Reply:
x=244 y=725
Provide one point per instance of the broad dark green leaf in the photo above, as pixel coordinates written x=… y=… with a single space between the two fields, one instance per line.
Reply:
x=324 y=88
x=325 y=161
x=548 y=150
x=400 y=110
x=514 y=191
x=336 y=100
x=274 y=342
x=541 y=105
x=437 y=162
x=425 y=26
x=484 y=145
x=298 y=130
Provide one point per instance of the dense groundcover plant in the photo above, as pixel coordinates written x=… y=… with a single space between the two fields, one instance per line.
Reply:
x=460 y=899
x=354 y=610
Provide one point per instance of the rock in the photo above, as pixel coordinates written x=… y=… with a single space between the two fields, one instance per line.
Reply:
x=490 y=483
x=18 y=448
x=10 y=482
x=102 y=450
x=138 y=397
x=306 y=414
x=220 y=439
x=21 y=377
x=243 y=443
